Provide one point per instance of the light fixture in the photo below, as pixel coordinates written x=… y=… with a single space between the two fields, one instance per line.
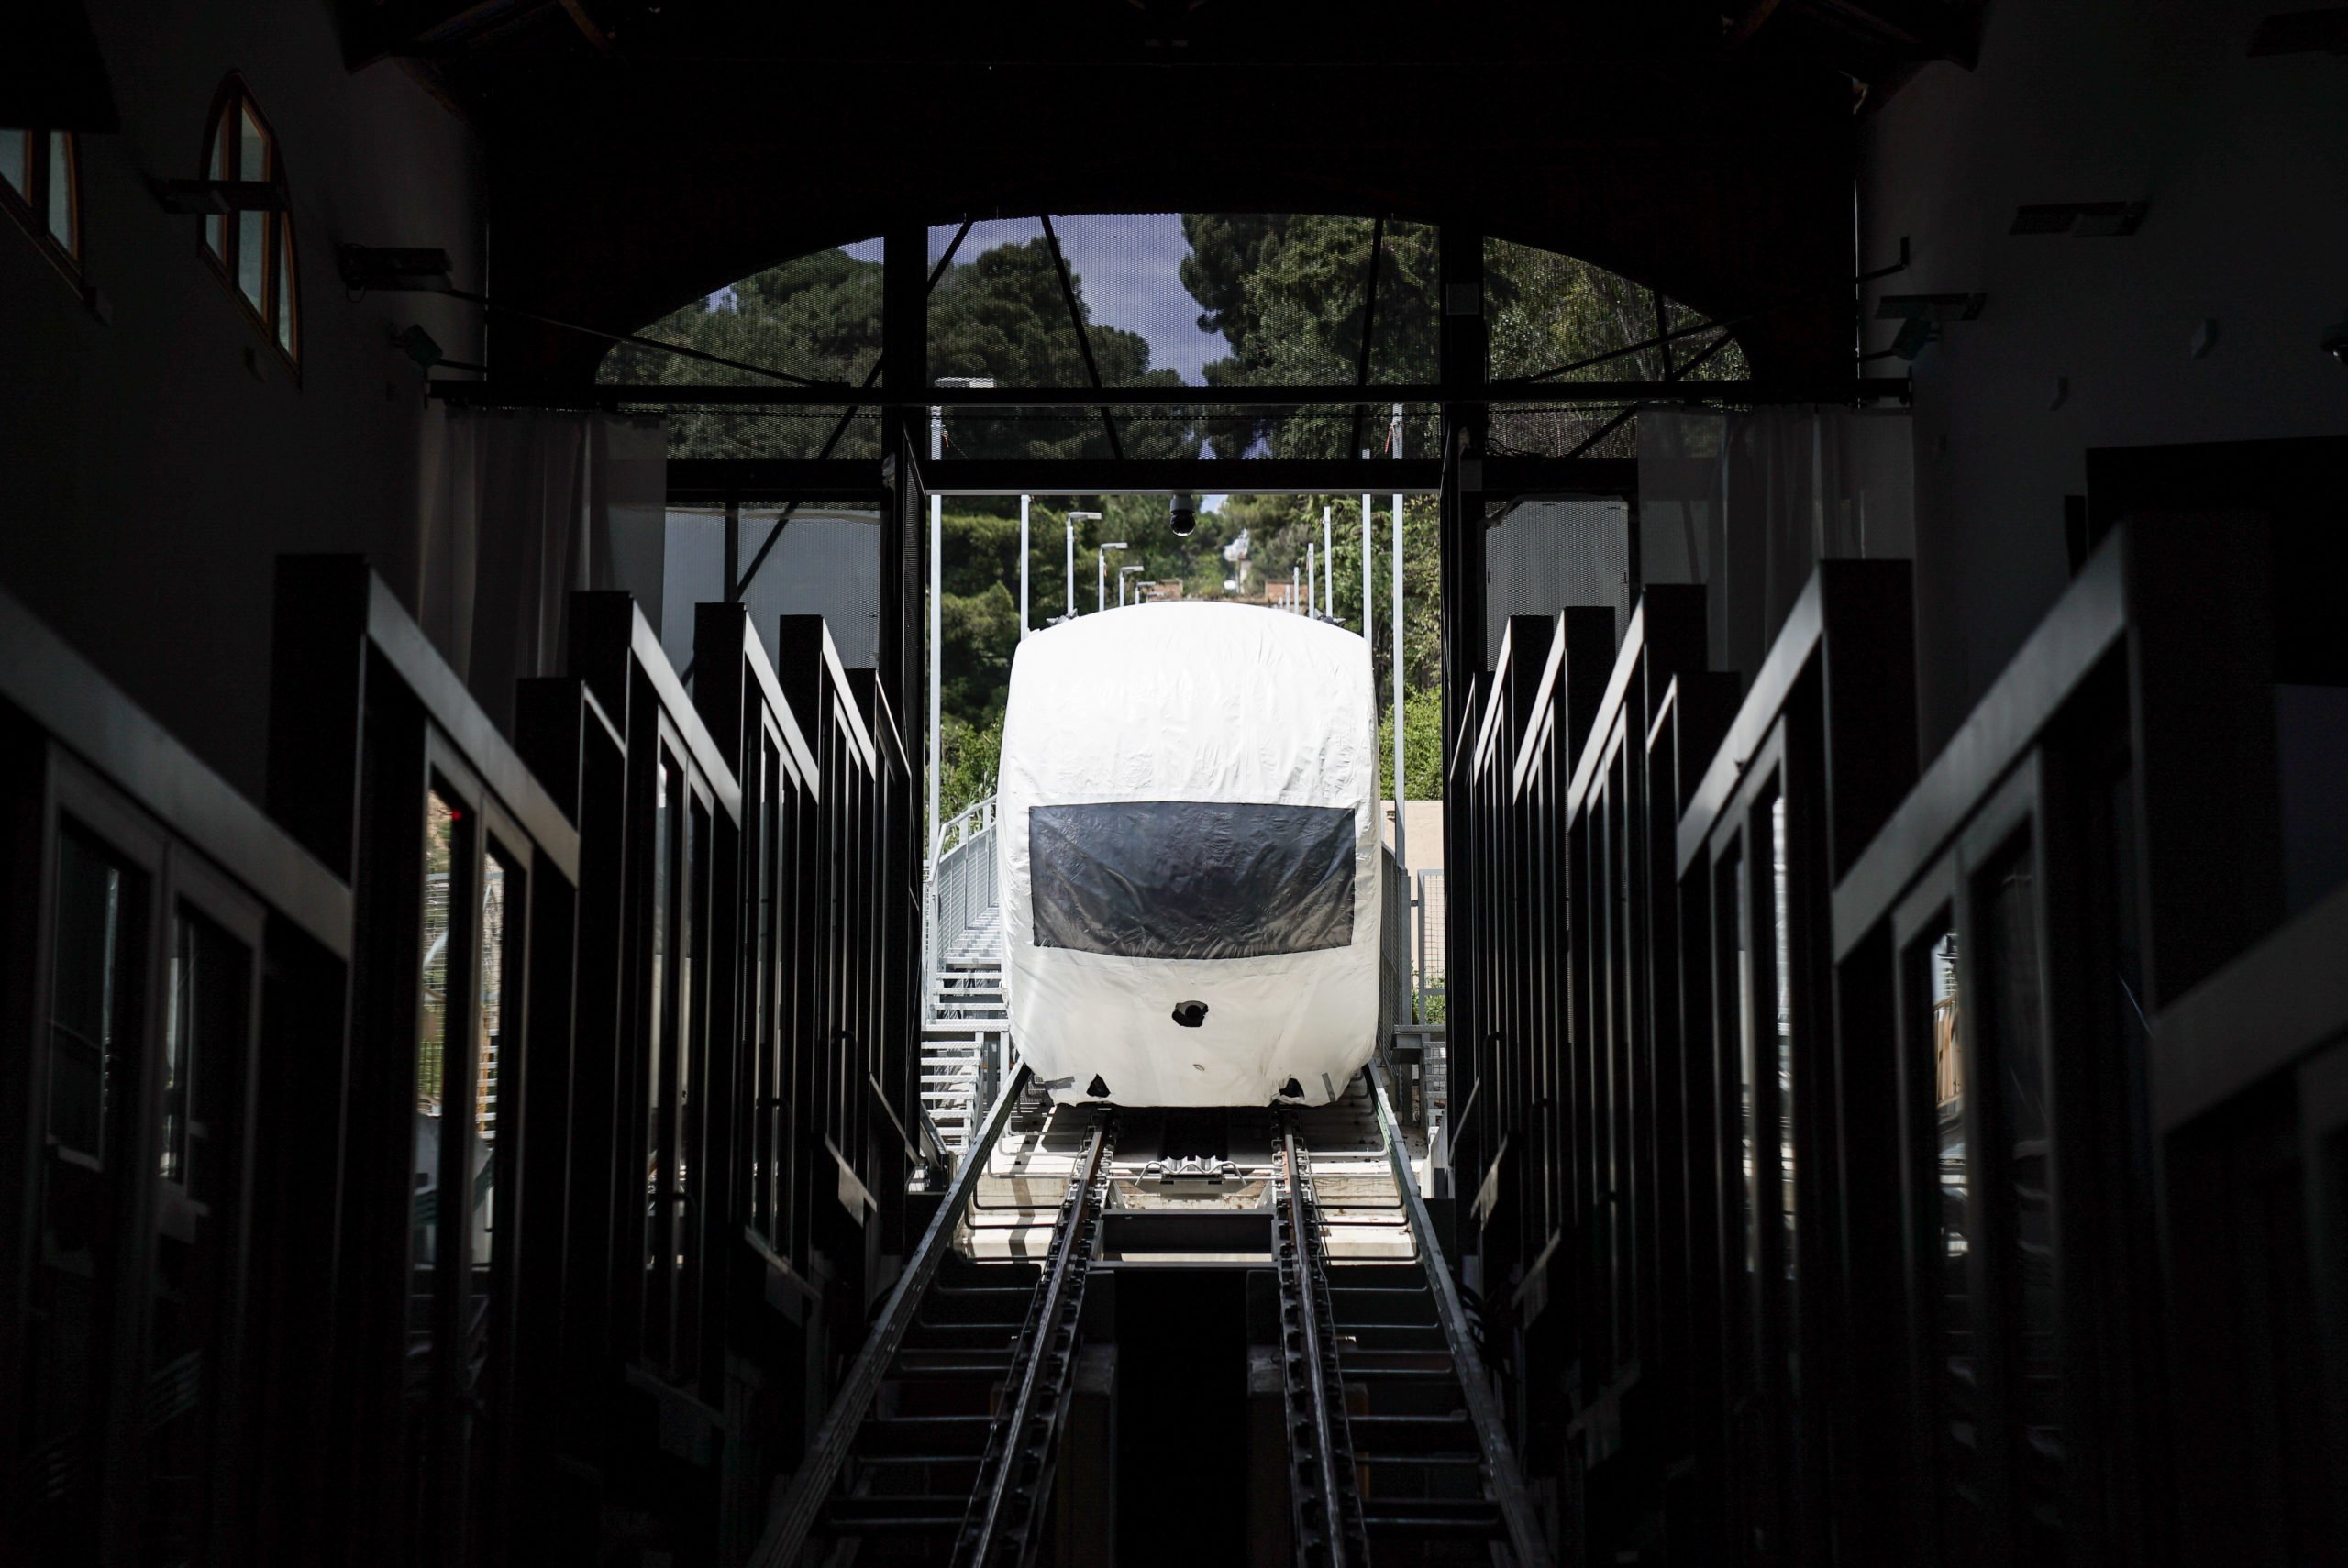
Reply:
x=1921 y=317
x=383 y=269
x=2081 y=220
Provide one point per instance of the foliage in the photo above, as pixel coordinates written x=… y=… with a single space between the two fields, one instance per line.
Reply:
x=970 y=753
x=1547 y=310
x=1422 y=747
x=1288 y=295
x=1001 y=314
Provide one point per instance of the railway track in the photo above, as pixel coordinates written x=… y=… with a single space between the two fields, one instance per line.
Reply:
x=943 y=1444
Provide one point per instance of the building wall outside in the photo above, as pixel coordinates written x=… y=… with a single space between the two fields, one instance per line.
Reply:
x=148 y=478
x=2241 y=162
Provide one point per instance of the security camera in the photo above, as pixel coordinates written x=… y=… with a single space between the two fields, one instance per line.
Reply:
x=1184 y=515
x=2335 y=340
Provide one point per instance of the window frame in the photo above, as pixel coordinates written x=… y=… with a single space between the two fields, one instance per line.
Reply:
x=219 y=238
x=29 y=205
x=466 y=1428
x=2012 y=818
x=176 y=881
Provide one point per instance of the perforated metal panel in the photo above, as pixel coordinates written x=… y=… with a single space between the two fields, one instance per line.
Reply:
x=1548 y=555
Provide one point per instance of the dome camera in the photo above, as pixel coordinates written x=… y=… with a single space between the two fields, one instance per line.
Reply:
x=1183 y=515
x=2335 y=340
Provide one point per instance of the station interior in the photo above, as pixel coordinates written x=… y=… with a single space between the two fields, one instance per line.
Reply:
x=517 y=518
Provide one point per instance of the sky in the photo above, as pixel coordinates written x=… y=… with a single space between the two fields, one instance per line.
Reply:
x=1128 y=265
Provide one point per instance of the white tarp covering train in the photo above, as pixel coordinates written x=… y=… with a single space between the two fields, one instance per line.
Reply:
x=1190 y=848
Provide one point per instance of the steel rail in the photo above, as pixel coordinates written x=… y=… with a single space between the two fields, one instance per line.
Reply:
x=1501 y=1476
x=788 y=1524
x=1324 y=1500
x=1001 y=1523
x=1803 y=389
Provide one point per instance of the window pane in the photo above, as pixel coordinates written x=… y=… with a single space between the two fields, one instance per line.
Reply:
x=252 y=148
x=205 y=1041
x=94 y=968
x=252 y=255
x=61 y=190
x=431 y=1084
x=1958 y=1380
x=2009 y=943
x=88 y=1028
x=657 y=1249
x=12 y=160
x=282 y=302
x=692 y=889
x=485 y=1161
x=222 y=167
x=1782 y=1052
x=1748 y=1075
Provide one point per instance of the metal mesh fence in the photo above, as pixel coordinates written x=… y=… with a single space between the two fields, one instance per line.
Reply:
x=1431 y=964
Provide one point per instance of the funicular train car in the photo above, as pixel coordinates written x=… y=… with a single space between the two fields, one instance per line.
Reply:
x=1190 y=857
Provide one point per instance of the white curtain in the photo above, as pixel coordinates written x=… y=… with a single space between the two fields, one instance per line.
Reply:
x=1747 y=504
x=521 y=509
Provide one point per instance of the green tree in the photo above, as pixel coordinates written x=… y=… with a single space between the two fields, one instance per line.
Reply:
x=1290 y=293
x=815 y=315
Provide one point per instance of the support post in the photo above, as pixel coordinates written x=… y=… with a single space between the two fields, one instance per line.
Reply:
x=1024 y=502
x=937 y=629
x=1461 y=338
x=733 y=548
x=904 y=358
x=1401 y=857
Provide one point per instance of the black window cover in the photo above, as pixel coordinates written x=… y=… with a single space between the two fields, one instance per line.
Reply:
x=1192 y=878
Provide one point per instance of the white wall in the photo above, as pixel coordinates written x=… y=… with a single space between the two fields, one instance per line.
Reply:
x=2244 y=164
x=147 y=480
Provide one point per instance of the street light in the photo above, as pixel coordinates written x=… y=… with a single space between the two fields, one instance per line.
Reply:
x=1072 y=518
x=1123 y=572
x=1101 y=573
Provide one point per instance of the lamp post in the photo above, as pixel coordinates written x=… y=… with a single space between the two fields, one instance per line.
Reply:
x=1312 y=589
x=1328 y=566
x=1101 y=573
x=1073 y=518
x=1123 y=572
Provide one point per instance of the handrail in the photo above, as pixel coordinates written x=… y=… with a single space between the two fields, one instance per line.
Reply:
x=794 y=1517
x=1483 y=1414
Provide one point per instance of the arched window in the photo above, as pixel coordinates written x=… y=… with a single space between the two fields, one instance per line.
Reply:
x=40 y=185
x=253 y=245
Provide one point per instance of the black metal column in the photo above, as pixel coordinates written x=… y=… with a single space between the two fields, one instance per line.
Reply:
x=1461 y=338
x=904 y=362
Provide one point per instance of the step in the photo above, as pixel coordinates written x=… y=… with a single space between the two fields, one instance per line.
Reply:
x=1460 y=1518
x=1417 y=1436
x=924 y=1434
x=894 y=1516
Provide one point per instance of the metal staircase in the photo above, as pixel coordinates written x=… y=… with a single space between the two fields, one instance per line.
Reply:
x=966 y=1028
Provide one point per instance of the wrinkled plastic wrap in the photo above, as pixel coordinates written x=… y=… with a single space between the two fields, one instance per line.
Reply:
x=1189 y=813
